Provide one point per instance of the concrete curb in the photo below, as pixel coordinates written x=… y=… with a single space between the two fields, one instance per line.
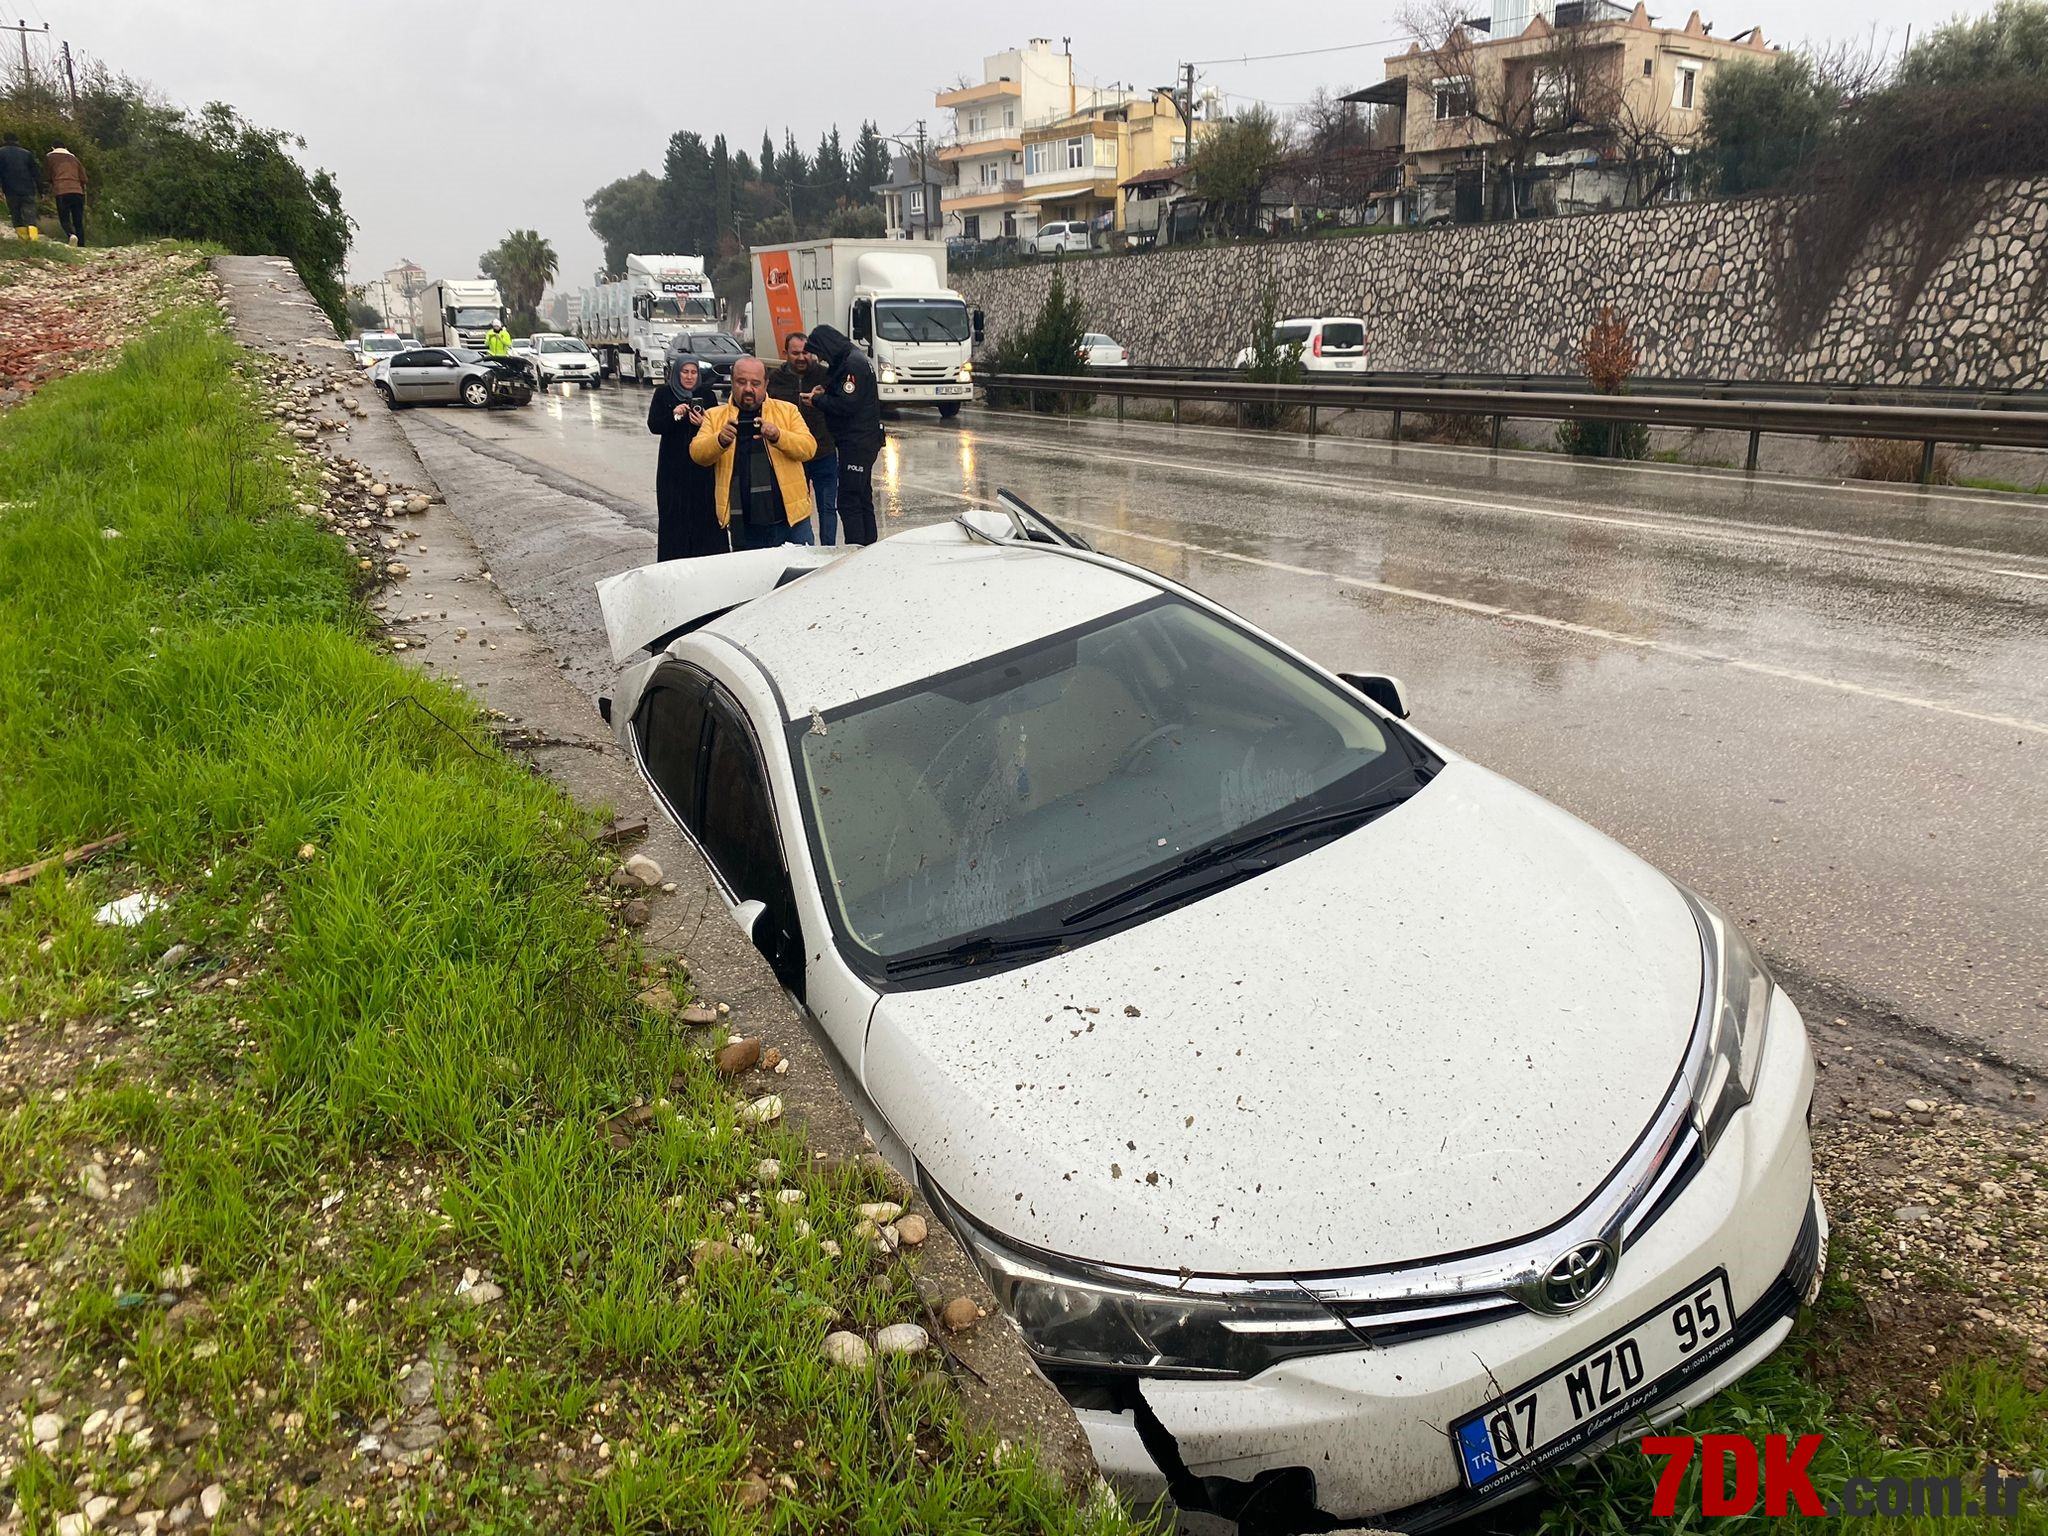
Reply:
x=456 y=613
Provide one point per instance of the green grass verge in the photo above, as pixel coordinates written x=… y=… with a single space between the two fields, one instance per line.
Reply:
x=381 y=1030
x=46 y=252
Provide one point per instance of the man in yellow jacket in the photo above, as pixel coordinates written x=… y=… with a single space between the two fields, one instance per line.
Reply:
x=756 y=449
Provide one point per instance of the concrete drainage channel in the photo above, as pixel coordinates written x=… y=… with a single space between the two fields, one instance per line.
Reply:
x=460 y=613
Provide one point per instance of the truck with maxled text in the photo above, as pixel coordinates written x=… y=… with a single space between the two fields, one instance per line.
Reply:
x=889 y=296
x=629 y=320
x=459 y=312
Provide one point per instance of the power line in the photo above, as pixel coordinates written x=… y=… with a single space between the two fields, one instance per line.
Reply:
x=1303 y=53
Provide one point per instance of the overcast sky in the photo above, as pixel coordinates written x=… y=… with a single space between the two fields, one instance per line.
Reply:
x=449 y=122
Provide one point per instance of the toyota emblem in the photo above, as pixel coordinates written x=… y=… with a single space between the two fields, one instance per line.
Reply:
x=1574 y=1278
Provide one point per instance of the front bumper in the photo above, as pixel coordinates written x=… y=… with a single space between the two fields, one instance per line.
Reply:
x=1325 y=1440
x=925 y=392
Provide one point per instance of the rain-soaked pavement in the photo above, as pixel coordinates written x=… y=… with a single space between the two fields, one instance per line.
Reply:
x=1823 y=706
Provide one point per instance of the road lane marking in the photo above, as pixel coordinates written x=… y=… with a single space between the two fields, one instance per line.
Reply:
x=2023 y=575
x=1573 y=627
x=1544 y=621
x=1722 y=530
x=1715 y=473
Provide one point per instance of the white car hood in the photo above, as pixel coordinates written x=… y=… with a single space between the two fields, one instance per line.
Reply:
x=1439 y=1033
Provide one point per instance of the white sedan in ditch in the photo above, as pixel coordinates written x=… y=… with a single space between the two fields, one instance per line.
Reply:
x=1348 y=1132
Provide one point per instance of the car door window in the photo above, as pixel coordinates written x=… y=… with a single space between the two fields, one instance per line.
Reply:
x=739 y=837
x=670 y=729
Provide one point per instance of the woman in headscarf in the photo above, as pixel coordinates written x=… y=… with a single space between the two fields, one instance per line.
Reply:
x=684 y=496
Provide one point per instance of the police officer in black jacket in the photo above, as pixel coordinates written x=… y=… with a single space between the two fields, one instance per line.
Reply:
x=852 y=406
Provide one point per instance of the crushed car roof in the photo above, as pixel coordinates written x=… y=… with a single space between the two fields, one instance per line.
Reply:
x=914 y=605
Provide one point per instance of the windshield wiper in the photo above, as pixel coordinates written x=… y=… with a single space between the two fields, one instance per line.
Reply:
x=979 y=949
x=1342 y=818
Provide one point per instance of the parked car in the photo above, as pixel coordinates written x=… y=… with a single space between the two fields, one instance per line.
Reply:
x=564 y=360
x=377 y=346
x=522 y=346
x=1350 y=1134
x=1328 y=344
x=1100 y=351
x=452 y=374
x=1068 y=236
x=714 y=352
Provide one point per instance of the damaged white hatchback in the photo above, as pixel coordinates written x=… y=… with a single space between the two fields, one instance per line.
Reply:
x=1347 y=1131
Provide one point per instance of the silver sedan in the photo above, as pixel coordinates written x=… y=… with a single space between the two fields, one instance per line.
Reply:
x=452 y=374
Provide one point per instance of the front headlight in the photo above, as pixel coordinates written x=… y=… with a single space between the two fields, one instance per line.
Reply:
x=888 y=374
x=966 y=371
x=1074 y=1315
x=1735 y=1007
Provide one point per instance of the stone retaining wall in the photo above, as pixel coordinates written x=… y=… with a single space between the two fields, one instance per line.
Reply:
x=1693 y=280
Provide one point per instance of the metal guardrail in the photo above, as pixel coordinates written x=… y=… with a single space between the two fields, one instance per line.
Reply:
x=1927 y=425
x=1688 y=388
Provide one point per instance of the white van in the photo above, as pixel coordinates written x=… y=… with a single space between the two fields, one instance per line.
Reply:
x=1070 y=236
x=1329 y=344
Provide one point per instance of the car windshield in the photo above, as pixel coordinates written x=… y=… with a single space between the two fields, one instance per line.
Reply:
x=476 y=317
x=552 y=345
x=689 y=307
x=382 y=344
x=921 y=320
x=1033 y=787
x=711 y=344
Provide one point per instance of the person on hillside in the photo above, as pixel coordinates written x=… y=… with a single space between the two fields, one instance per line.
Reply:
x=801 y=381
x=19 y=184
x=852 y=407
x=757 y=448
x=498 y=341
x=686 y=506
x=66 y=176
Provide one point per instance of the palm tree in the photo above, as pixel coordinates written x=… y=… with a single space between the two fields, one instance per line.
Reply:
x=524 y=264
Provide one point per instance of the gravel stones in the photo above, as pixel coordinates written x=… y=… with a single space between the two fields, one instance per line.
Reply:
x=46 y=1429
x=902 y=1339
x=960 y=1314
x=911 y=1230
x=737 y=1056
x=848 y=1350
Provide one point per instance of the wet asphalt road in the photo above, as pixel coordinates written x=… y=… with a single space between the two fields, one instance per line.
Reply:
x=1823 y=706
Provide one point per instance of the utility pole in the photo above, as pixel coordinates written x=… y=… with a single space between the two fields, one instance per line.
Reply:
x=71 y=79
x=924 y=190
x=1187 y=113
x=28 y=74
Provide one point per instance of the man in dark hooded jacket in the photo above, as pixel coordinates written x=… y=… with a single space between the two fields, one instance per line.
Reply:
x=20 y=181
x=852 y=406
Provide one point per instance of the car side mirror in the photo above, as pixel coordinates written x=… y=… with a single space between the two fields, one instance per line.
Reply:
x=980 y=320
x=860 y=319
x=748 y=915
x=1384 y=691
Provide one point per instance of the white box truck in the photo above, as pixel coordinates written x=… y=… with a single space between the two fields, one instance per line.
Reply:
x=890 y=296
x=629 y=321
x=459 y=312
